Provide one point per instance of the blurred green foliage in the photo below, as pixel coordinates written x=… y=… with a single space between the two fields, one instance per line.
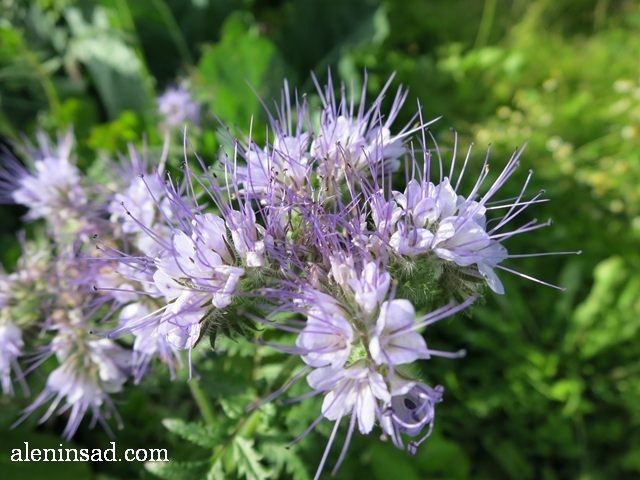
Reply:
x=551 y=383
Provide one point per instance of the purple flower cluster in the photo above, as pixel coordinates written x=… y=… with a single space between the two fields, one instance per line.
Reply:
x=307 y=224
x=338 y=235
x=353 y=342
x=50 y=292
x=177 y=107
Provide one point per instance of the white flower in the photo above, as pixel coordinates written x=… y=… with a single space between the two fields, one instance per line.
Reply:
x=142 y=203
x=54 y=188
x=244 y=234
x=177 y=107
x=285 y=165
x=371 y=288
x=327 y=336
x=83 y=382
x=356 y=390
x=394 y=341
x=11 y=345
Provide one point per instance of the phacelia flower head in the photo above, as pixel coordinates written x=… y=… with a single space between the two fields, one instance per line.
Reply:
x=195 y=275
x=355 y=139
x=51 y=187
x=433 y=221
x=305 y=233
x=309 y=156
x=192 y=275
x=89 y=371
x=140 y=203
x=177 y=107
x=355 y=337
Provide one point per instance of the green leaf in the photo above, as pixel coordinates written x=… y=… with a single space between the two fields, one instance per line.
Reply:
x=202 y=435
x=114 y=136
x=228 y=71
x=234 y=406
x=115 y=68
x=285 y=460
x=216 y=472
x=610 y=315
x=247 y=459
x=388 y=463
x=172 y=470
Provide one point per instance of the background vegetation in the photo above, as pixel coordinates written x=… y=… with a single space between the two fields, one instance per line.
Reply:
x=550 y=387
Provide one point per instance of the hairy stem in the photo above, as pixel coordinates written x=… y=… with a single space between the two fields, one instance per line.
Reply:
x=202 y=402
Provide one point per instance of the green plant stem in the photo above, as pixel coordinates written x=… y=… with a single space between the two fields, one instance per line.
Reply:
x=202 y=401
x=127 y=17
x=600 y=14
x=486 y=23
x=47 y=85
x=174 y=30
x=245 y=427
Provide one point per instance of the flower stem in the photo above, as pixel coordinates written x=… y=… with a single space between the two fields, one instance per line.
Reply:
x=202 y=401
x=486 y=22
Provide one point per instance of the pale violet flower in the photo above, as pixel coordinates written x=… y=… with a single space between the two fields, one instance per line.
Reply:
x=83 y=383
x=52 y=188
x=177 y=107
x=11 y=348
x=410 y=409
x=342 y=269
x=327 y=336
x=180 y=325
x=247 y=236
x=199 y=264
x=150 y=341
x=356 y=390
x=371 y=287
x=283 y=165
x=194 y=270
x=394 y=340
x=433 y=219
x=360 y=139
x=195 y=274
x=142 y=205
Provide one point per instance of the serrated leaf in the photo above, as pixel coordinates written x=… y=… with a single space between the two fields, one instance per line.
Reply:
x=247 y=459
x=285 y=460
x=234 y=406
x=202 y=435
x=216 y=472
x=177 y=470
